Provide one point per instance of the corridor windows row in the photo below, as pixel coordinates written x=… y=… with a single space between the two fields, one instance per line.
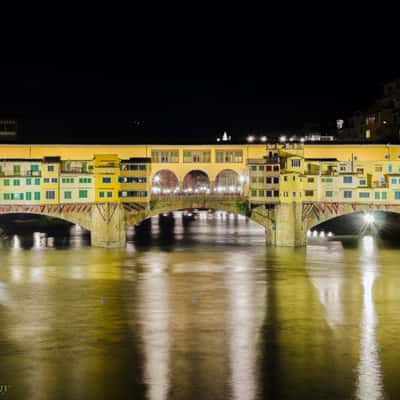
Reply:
x=268 y=168
x=197 y=156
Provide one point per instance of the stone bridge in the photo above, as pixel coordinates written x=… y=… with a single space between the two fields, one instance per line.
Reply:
x=285 y=224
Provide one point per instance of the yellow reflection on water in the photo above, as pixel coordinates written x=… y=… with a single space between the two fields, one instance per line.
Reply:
x=369 y=384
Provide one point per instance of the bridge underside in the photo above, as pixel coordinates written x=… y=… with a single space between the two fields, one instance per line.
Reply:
x=285 y=224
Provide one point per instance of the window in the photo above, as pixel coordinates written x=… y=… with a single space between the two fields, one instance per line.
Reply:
x=377 y=195
x=261 y=193
x=268 y=193
x=261 y=168
x=329 y=193
x=68 y=195
x=363 y=195
x=253 y=179
x=86 y=180
x=50 y=168
x=16 y=182
x=101 y=194
x=268 y=168
x=28 y=181
x=53 y=180
x=34 y=167
x=294 y=178
x=276 y=179
x=309 y=193
x=106 y=179
x=397 y=195
x=6 y=196
x=285 y=194
x=296 y=163
x=276 y=167
x=384 y=195
x=390 y=168
x=347 y=194
x=16 y=169
x=28 y=196
x=393 y=181
x=133 y=193
x=378 y=169
x=50 y=195
x=83 y=194
x=285 y=178
x=327 y=180
x=310 y=180
x=363 y=182
x=343 y=168
x=67 y=180
x=253 y=168
x=46 y=180
x=347 y=179
x=18 y=196
x=276 y=193
x=109 y=194
x=260 y=179
x=132 y=179
x=37 y=181
x=268 y=180
x=229 y=156
x=360 y=171
x=36 y=196
x=254 y=193
x=6 y=182
x=294 y=194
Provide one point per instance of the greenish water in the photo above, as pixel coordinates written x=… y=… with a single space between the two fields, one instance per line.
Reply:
x=203 y=311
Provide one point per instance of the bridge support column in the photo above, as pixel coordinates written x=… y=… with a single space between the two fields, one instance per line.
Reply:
x=108 y=225
x=289 y=226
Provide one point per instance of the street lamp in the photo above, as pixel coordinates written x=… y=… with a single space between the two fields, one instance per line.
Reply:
x=250 y=138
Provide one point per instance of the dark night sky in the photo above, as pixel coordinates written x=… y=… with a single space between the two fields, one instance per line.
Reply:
x=272 y=77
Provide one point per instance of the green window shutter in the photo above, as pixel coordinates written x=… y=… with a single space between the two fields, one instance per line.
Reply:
x=28 y=181
x=37 y=181
x=6 y=182
x=109 y=194
x=16 y=182
x=384 y=195
x=37 y=195
x=28 y=196
x=16 y=169
x=68 y=195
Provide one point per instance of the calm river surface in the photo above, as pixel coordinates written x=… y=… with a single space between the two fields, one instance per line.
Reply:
x=204 y=312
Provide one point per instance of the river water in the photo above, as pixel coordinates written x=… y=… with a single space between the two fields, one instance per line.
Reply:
x=199 y=311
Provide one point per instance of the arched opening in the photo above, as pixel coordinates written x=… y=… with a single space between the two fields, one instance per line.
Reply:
x=196 y=181
x=30 y=230
x=164 y=182
x=191 y=226
x=228 y=181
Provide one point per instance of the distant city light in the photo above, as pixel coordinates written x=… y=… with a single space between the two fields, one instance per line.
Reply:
x=263 y=138
x=369 y=218
x=282 y=139
x=250 y=139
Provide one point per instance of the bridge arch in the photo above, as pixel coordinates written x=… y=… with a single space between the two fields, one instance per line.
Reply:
x=320 y=213
x=196 y=181
x=165 y=181
x=73 y=221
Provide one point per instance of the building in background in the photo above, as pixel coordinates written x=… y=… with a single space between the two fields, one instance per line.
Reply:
x=8 y=129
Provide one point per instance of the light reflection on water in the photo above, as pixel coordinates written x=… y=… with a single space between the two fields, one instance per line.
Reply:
x=200 y=310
